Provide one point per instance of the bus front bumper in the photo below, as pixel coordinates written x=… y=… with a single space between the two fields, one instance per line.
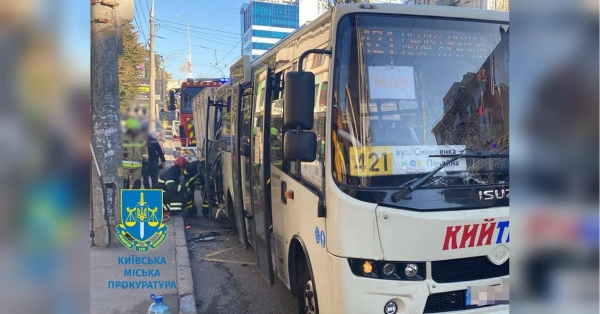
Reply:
x=353 y=294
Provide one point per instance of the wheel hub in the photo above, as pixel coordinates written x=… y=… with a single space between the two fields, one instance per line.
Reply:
x=310 y=306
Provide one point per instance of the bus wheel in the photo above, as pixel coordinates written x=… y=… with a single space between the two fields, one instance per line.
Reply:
x=308 y=299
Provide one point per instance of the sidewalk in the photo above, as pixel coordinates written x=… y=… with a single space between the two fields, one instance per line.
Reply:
x=105 y=268
x=175 y=276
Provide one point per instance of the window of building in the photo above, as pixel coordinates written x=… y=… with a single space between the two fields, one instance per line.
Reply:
x=275 y=15
x=269 y=34
x=261 y=46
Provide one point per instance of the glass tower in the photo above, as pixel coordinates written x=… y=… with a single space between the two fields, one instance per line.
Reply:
x=263 y=24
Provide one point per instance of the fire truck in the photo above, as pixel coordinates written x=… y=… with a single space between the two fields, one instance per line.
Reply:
x=190 y=90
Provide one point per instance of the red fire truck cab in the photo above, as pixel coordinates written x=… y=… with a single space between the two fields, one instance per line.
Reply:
x=189 y=90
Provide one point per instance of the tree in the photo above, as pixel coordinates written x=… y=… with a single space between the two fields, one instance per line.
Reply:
x=134 y=55
x=158 y=65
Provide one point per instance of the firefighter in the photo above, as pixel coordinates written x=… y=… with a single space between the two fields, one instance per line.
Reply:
x=135 y=152
x=194 y=179
x=172 y=182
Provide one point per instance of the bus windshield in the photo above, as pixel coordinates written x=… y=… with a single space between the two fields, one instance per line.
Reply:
x=409 y=87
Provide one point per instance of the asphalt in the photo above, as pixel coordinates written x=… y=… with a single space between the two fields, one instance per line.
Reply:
x=226 y=278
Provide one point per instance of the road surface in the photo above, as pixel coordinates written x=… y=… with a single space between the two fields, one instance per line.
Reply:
x=226 y=278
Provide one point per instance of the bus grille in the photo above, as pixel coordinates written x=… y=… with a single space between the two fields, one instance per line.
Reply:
x=467 y=269
x=448 y=302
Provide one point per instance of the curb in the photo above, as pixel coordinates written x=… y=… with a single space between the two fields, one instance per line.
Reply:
x=185 y=283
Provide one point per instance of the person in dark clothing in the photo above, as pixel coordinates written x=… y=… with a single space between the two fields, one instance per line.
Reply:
x=193 y=180
x=172 y=182
x=150 y=167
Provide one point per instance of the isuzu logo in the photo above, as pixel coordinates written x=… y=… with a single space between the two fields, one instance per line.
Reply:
x=497 y=194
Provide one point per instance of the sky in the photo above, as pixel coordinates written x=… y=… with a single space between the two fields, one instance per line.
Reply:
x=71 y=18
x=214 y=33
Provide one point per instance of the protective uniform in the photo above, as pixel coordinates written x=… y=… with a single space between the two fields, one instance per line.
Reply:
x=172 y=182
x=135 y=152
x=193 y=179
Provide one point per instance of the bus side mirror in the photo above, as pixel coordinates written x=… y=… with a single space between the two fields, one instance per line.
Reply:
x=300 y=146
x=299 y=100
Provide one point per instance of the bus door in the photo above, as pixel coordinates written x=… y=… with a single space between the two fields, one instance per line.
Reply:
x=245 y=121
x=242 y=97
x=260 y=178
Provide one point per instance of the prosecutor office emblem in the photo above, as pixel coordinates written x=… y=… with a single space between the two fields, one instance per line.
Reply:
x=141 y=225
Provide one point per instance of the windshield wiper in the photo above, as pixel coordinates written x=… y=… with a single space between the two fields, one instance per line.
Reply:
x=410 y=186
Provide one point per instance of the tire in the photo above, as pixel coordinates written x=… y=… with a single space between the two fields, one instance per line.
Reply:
x=230 y=210
x=307 y=301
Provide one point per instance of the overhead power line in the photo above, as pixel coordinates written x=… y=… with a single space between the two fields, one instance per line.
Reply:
x=140 y=23
x=181 y=42
x=184 y=60
x=203 y=38
x=198 y=27
x=202 y=33
x=219 y=62
x=148 y=7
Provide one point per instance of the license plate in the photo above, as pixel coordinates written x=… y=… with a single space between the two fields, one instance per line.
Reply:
x=487 y=295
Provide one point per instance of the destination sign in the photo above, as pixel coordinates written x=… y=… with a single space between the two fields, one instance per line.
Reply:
x=427 y=44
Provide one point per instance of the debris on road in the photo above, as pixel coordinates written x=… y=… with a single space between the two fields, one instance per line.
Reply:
x=200 y=236
x=207 y=239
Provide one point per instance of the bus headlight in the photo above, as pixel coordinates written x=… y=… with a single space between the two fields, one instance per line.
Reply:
x=413 y=271
x=389 y=270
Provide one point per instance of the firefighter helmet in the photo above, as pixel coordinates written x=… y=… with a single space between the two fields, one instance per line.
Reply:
x=182 y=162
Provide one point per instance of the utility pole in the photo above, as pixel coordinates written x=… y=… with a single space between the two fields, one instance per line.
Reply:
x=152 y=126
x=105 y=128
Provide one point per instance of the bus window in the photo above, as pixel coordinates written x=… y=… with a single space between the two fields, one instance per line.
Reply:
x=276 y=131
x=226 y=129
x=313 y=171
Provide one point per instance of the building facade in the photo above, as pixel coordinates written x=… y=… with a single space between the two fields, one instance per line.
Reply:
x=264 y=23
x=312 y=9
x=476 y=110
